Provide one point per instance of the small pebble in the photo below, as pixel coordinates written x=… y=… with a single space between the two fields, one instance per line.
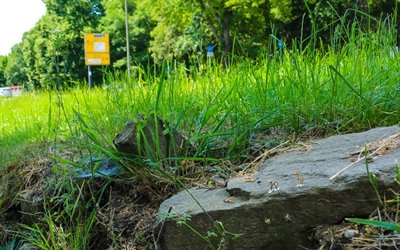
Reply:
x=218 y=181
x=350 y=233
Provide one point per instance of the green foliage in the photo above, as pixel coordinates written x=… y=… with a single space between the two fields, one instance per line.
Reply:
x=12 y=245
x=216 y=238
x=372 y=178
x=3 y=64
x=60 y=231
x=51 y=54
x=374 y=223
x=394 y=226
x=140 y=25
x=340 y=88
x=69 y=215
x=178 y=30
x=15 y=70
x=345 y=87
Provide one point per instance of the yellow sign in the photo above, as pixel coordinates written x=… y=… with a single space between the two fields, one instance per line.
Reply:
x=97 y=49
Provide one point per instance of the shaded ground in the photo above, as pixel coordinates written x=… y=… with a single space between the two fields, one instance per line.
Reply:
x=125 y=213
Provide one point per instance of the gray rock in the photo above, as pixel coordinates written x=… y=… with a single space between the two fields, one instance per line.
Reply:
x=150 y=137
x=31 y=206
x=278 y=207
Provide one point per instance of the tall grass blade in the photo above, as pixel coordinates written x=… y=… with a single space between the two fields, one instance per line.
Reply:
x=381 y=224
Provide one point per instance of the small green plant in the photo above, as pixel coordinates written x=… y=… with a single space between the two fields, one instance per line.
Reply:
x=69 y=215
x=11 y=245
x=59 y=232
x=372 y=178
x=395 y=225
x=70 y=228
x=216 y=239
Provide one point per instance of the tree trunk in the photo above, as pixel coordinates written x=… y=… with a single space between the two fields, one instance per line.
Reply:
x=226 y=38
x=398 y=31
x=266 y=7
x=208 y=19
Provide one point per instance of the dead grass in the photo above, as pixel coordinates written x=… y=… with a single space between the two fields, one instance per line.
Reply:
x=129 y=224
x=375 y=148
x=356 y=236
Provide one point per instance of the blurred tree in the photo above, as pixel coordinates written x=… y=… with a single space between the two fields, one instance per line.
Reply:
x=140 y=26
x=15 y=70
x=3 y=65
x=219 y=18
x=251 y=24
x=178 y=30
x=184 y=28
x=53 y=51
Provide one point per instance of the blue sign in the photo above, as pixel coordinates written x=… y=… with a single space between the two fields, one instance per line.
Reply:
x=210 y=48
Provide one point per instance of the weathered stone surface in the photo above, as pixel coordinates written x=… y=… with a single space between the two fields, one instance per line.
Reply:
x=150 y=137
x=31 y=206
x=284 y=218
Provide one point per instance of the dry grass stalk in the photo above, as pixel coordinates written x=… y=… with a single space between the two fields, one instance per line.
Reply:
x=380 y=147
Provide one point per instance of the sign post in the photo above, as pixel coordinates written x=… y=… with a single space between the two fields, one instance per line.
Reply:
x=90 y=77
x=128 y=59
x=97 y=52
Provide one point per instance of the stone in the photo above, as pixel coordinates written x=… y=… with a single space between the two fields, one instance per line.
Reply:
x=150 y=137
x=32 y=206
x=217 y=181
x=290 y=195
x=350 y=233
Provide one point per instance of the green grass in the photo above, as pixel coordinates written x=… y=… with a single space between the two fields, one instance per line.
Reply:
x=386 y=220
x=312 y=89
x=351 y=85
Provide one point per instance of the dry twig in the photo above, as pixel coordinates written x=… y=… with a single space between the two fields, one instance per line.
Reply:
x=386 y=142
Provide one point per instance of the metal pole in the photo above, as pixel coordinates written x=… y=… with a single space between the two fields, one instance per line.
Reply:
x=127 y=39
x=90 y=77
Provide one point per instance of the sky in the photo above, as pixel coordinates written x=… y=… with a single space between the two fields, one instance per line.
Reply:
x=17 y=17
